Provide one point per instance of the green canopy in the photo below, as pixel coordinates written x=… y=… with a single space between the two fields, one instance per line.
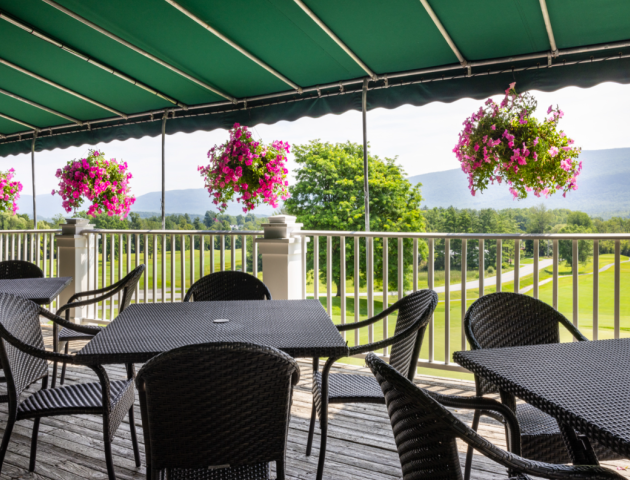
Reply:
x=88 y=71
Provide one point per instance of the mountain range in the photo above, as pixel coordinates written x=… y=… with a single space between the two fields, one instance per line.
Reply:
x=603 y=188
x=192 y=201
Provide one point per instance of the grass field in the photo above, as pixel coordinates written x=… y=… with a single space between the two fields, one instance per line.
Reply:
x=565 y=291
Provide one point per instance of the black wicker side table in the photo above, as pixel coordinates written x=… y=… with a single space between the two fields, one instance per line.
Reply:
x=584 y=385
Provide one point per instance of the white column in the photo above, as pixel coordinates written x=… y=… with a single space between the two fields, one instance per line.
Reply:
x=282 y=257
x=74 y=249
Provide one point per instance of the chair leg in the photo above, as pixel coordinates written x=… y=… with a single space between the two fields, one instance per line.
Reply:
x=311 y=430
x=63 y=368
x=323 y=420
x=469 y=453
x=280 y=469
x=323 y=425
x=31 y=465
x=108 y=458
x=7 y=436
x=134 y=438
x=54 y=375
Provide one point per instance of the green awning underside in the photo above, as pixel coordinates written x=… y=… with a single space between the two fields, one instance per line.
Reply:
x=63 y=75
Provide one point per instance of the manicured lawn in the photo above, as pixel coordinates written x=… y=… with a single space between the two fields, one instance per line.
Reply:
x=606 y=319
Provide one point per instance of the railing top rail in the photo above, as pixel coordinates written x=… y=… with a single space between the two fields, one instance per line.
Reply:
x=176 y=232
x=469 y=236
x=41 y=230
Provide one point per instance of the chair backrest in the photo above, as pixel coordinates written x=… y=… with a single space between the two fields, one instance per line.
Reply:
x=216 y=404
x=413 y=310
x=426 y=445
x=425 y=433
x=19 y=322
x=129 y=286
x=505 y=319
x=14 y=269
x=227 y=286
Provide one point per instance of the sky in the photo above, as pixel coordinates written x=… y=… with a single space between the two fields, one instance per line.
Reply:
x=421 y=137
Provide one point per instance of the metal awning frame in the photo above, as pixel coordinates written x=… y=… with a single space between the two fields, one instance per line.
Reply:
x=333 y=89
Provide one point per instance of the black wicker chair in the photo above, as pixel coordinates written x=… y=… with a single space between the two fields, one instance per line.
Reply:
x=126 y=287
x=216 y=411
x=414 y=313
x=426 y=433
x=14 y=269
x=25 y=361
x=227 y=286
x=508 y=319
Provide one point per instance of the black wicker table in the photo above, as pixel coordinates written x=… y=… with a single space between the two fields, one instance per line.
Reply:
x=584 y=385
x=39 y=290
x=301 y=328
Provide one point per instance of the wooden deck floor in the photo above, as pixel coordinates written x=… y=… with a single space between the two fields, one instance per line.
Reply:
x=361 y=444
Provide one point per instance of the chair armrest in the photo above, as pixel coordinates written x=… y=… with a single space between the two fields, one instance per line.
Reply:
x=91 y=292
x=572 y=329
x=369 y=321
x=484 y=403
x=370 y=347
x=65 y=323
x=83 y=303
x=34 y=351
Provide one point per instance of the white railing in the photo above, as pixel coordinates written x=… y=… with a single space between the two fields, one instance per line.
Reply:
x=174 y=259
x=37 y=246
x=445 y=333
x=593 y=299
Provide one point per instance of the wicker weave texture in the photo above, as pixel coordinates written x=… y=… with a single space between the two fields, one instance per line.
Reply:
x=39 y=290
x=24 y=361
x=584 y=384
x=507 y=319
x=216 y=404
x=13 y=269
x=19 y=318
x=425 y=434
x=300 y=328
x=227 y=286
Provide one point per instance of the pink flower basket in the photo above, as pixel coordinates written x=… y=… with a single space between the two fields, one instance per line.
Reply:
x=104 y=183
x=506 y=143
x=9 y=192
x=248 y=170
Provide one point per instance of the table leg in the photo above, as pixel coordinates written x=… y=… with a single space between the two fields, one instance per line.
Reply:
x=579 y=446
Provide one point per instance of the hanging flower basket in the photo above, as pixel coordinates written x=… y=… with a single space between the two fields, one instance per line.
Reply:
x=104 y=183
x=507 y=143
x=248 y=170
x=9 y=191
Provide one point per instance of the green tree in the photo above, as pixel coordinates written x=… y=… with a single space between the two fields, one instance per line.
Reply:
x=328 y=195
x=579 y=219
x=565 y=247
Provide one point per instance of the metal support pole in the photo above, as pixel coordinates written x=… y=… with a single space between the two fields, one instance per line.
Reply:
x=366 y=186
x=33 y=172
x=164 y=117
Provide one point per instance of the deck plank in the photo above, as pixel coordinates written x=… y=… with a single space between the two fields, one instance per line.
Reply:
x=360 y=445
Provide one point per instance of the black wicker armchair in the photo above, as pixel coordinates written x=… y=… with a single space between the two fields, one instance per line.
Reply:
x=414 y=313
x=227 y=286
x=425 y=433
x=25 y=361
x=14 y=269
x=216 y=411
x=511 y=319
x=125 y=287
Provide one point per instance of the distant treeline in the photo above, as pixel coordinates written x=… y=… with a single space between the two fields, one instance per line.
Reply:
x=536 y=219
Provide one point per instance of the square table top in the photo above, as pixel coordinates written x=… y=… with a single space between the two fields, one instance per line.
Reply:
x=585 y=385
x=39 y=290
x=301 y=328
